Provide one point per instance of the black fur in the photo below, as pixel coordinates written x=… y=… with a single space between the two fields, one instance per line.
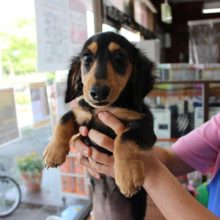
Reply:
x=141 y=132
x=74 y=82
x=67 y=117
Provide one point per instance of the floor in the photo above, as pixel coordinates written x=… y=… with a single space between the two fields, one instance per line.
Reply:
x=33 y=212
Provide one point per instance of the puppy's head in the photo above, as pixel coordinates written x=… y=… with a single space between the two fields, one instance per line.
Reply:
x=102 y=70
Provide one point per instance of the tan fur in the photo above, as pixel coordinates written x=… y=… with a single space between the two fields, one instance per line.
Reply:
x=122 y=113
x=113 y=46
x=82 y=115
x=57 y=149
x=88 y=81
x=129 y=168
x=93 y=47
x=116 y=81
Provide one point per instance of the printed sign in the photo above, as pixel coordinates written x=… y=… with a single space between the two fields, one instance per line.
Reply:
x=61 y=31
x=39 y=102
x=8 y=127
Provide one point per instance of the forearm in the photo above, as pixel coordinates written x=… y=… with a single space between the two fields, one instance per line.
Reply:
x=171 y=161
x=171 y=198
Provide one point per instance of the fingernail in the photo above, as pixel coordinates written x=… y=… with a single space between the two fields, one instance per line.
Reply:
x=102 y=113
x=89 y=151
x=97 y=176
x=85 y=152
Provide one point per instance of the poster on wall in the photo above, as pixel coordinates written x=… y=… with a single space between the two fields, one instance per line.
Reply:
x=61 y=31
x=39 y=103
x=9 y=130
x=204 y=41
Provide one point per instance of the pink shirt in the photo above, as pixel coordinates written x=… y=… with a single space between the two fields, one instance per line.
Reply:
x=200 y=149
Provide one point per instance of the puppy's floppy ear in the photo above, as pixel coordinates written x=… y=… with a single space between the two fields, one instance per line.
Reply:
x=74 y=81
x=143 y=78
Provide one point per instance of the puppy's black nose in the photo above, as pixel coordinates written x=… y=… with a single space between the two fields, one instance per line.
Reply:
x=99 y=92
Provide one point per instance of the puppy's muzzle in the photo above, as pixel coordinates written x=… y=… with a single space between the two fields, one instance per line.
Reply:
x=99 y=92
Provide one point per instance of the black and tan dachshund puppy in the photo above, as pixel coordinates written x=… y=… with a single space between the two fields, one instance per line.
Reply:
x=110 y=74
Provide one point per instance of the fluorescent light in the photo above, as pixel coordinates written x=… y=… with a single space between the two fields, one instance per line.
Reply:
x=211 y=10
x=211 y=7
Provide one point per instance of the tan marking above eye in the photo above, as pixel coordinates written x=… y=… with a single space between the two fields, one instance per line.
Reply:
x=113 y=46
x=93 y=47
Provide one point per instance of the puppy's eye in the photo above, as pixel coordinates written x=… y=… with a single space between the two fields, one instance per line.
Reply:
x=88 y=58
x=119 y=57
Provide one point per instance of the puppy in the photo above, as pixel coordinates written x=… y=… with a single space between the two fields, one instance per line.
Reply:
x=110 y=74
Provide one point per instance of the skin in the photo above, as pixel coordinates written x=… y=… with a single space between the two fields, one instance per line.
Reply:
x=160 y=167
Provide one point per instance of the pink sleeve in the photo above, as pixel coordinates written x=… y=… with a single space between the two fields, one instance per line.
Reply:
x=200 y=149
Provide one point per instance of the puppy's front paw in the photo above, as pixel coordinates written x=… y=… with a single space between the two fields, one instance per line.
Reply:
x=55 y=154
x=129 y=175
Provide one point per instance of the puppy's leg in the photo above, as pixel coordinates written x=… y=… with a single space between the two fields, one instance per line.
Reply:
x=129 y=168
x=57 y=149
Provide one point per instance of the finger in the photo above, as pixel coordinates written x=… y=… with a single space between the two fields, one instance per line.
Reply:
x=101 y=139
x=102 y=158
x=83 y=130
x=93 y=173
x=111 y=121
x=102 y=169
x=82 y=148
x=85 y=162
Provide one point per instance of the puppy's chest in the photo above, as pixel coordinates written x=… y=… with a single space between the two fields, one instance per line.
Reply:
x=89 y=118
x=96 y=124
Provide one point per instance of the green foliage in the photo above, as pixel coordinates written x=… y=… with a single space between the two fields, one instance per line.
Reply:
x=22 y=99
x=30 y=163
x=50 y=77
x=19 y=50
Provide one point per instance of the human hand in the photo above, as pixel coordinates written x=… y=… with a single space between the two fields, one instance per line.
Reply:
x=96 y=162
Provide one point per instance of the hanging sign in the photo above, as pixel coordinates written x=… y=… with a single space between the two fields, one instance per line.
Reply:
x=61 y=31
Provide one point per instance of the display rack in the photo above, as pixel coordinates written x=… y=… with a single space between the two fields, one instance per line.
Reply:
x=74 y=178
x=196 y=88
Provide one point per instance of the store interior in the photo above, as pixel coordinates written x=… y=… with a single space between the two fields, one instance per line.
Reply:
x=181 y=37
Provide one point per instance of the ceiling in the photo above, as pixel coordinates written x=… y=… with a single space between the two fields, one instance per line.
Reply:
x=187 y=1
x=184 y=11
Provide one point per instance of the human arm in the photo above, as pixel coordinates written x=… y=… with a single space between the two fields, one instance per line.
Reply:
x=170 y=197
x=174 y=202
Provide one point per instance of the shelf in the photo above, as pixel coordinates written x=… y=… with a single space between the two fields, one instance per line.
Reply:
x=167 y=139
x=188 y=82
x=74 y=179
x=177 y=92
x=70 y=194
x=73 y=174
x=205 y=91
x=185 y=88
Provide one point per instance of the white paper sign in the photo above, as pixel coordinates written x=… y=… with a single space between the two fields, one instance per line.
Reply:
x=8 y=127
x=61 y=31
x=39 y=102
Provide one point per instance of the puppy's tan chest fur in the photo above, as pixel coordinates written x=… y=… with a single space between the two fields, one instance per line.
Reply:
x=84 y=116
